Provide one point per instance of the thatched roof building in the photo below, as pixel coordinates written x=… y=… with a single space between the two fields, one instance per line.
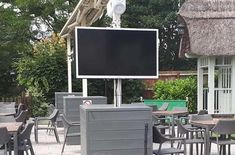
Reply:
x=210 y=27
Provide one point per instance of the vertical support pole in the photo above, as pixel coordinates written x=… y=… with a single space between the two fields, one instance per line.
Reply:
x=116 y=23
x=115 y=92
x=84 y=88
x=69 y=64
x=233 y=85
x=84 y=81
x=211 y=84
x=119 y=92
x=199 y=86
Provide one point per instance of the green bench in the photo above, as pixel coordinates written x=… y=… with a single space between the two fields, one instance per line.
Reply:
x=172 y=103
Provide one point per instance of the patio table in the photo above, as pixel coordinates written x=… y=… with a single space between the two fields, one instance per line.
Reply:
x=13 y=128
x=207 y=125
x=173 y=114
x=7 y=113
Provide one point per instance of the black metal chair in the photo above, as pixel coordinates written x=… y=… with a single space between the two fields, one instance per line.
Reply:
x=164 y=106
x=52 y=118
x=193 y=136
x=20 y=108
x=4 y=139
x=161 y=139
x=67 y=126
x=24 y=142
x=22 y=117
x=202 y=112
x=223 y=130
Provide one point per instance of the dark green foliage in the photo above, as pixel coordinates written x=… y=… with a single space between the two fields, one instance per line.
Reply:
x=162 y=15
x=44 y=71
x=38 y=106
x=13 y=39
x=178 y=90
x=131 y=89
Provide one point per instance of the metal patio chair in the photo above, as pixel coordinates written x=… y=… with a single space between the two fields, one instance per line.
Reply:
x=161 y=139
x=67 y=126
x=164 y=106
x=4 y=139
x=223 y=130
x=22 y=117
x=24 y=142
x=52 y=118
x=193 y=136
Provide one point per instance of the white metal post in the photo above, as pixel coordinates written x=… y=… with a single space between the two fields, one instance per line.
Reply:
x=116 y=23
x=69 y=63
x=84 y=88
x=199 y=86
x=84 y=81
x=233 y=85
x=211 y=84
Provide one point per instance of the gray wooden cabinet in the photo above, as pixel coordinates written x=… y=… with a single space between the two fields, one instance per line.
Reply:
x=107 y=130
x=59 y=102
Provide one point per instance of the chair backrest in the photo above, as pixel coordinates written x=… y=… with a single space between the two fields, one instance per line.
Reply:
x=154 y=107
x=65 y=121
x=19 y=109
x=180 y=109
x=5 y=137
x=22 y=117
x=203 y=112
x=224 y=127
x=50 y=109
x=25 y=134
x=157 y=136
x=200 y=117
x=54 y=115
x=180 y=128
x=164 y=106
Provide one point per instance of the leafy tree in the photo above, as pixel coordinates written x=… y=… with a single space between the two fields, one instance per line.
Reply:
x=44 y=71
x=13 y=40
x=160 y=14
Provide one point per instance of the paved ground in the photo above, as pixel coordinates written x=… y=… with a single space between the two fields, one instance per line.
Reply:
x=48 y=146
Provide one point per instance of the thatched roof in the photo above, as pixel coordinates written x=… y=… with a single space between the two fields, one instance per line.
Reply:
x=210 y=27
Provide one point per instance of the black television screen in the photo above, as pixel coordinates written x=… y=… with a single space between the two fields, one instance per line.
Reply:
x=110 y=53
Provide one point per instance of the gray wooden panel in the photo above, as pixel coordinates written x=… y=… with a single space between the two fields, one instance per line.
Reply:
x=118 y=115
x=106 y=130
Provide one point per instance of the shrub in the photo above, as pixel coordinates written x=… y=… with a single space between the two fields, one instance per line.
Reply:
x=42 y=71
x=178 y=89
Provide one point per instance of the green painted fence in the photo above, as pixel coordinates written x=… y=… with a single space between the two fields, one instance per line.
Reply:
x=172 y=103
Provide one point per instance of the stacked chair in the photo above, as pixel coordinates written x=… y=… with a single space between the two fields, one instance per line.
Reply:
x=193 y=136
x=24 y=142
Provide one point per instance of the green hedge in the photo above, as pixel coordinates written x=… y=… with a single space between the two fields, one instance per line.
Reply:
x=178 y=89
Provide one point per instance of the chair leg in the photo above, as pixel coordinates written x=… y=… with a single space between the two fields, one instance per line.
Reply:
x=36 y=132
x=26 y=152
x=56 y=135
x=218 y=150
x=31 y=147
x=65 y=138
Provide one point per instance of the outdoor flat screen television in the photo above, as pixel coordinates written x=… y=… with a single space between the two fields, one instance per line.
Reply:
x=124 y=53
